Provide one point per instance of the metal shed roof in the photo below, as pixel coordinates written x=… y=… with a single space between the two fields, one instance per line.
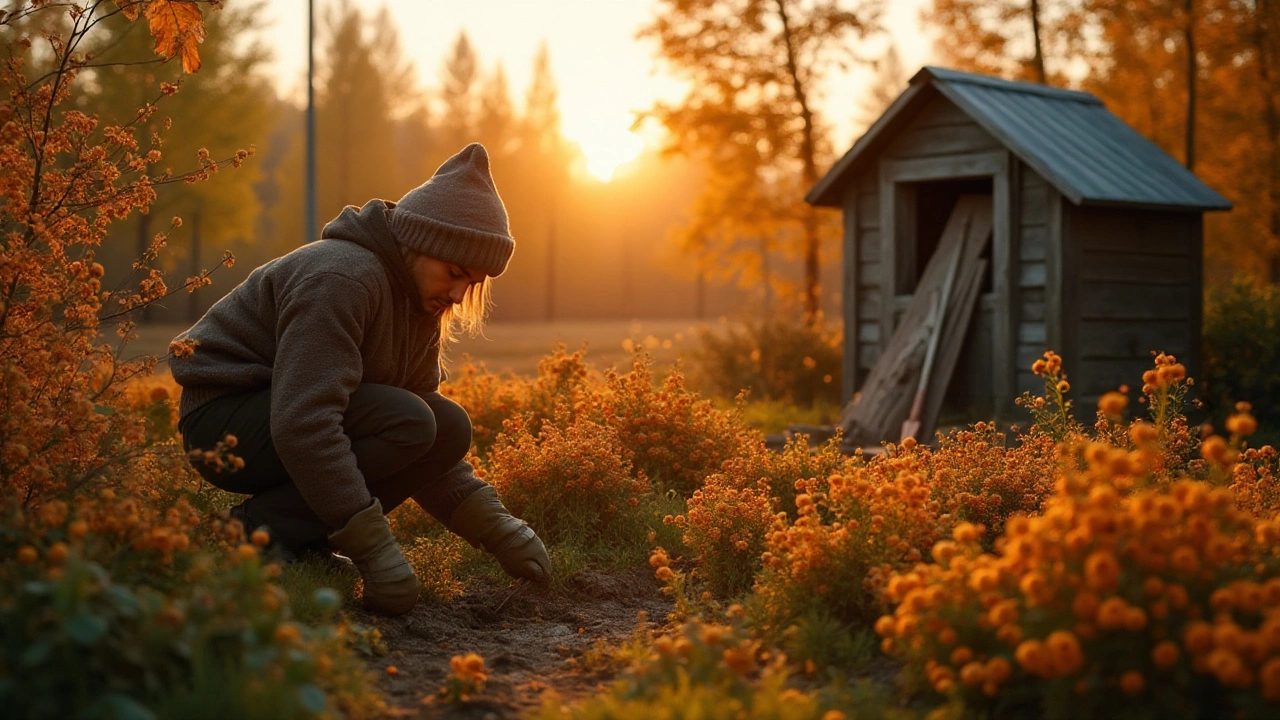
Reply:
x=1070 y=138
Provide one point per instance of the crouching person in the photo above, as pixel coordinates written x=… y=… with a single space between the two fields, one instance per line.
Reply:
x=325 y=365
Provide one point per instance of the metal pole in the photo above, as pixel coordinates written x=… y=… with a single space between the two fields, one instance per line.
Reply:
x=311 y=124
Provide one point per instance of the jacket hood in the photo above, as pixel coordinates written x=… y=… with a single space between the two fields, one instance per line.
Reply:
x=367 y=227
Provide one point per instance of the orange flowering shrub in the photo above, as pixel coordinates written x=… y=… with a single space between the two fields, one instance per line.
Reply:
x=852 y=531
x=113 y=590
x=435 y=561
x=786 y=473
x=572 y=483
x=1121 y=598
x=116 y=598
x=725 y=529
x=678 y=437
x=976 y=476
x=562 y=379
x=66 y=179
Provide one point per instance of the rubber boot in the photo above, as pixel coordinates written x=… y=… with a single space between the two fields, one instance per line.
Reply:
x=482 y=521
x=390 y=585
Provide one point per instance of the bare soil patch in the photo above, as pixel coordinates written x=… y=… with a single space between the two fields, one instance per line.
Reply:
x=529 y=643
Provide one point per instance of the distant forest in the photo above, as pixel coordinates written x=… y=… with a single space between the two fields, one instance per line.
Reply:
x=692 y=232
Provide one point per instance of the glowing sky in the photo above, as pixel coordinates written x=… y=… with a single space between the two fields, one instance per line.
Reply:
x=603 y=72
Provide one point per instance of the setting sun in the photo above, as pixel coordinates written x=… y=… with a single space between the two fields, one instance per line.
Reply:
x=606 y=148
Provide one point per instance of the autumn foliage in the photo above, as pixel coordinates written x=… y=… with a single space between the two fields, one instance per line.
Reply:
x=122 y=596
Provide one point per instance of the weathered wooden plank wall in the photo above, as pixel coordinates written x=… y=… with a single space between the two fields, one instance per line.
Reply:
x=1138 y=292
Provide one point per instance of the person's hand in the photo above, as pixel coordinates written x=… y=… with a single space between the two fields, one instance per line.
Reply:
x=484 y=522
x=390 y=585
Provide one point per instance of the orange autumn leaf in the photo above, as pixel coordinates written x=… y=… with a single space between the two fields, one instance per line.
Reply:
x=130 y=8
x=178 y=29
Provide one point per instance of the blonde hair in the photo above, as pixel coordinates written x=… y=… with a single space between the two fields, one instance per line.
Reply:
x=467 y=316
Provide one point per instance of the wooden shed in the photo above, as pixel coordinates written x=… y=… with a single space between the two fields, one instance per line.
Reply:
x=1095 y=241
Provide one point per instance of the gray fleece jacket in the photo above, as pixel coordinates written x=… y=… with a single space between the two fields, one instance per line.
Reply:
x=315 y=324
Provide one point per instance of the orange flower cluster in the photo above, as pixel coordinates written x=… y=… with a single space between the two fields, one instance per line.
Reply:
x=1255 y=481
x=467 y=676
x=678 y=437
x=575 y=483
x=725 y=529
x=754 y=466
x=846 y=541
x=1140 y=598
x=976 y=476
x=1051 y=412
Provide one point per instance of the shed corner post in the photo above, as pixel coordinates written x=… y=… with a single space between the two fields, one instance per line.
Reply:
x=1196 y=317
x=849 y=294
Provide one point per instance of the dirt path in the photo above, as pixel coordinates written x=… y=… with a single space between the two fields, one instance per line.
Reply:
x=527 y=644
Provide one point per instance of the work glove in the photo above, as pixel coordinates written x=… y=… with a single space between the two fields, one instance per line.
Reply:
x=482 y=521
x=390 y=585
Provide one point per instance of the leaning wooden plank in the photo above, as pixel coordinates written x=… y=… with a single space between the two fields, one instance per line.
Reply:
x=937 y=322
x=877 y=411
x=953 y=335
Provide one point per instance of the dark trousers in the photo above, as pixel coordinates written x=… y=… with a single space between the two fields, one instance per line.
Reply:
x=402 y=444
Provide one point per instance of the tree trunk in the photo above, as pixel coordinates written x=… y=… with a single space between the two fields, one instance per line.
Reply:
x=808 y=152
x=1037 y=60
x=766 y=275
x=551 y=264
x=1264 y=34
x=1189 y=33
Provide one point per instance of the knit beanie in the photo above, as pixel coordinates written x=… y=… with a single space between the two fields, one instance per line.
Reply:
x=457 y=216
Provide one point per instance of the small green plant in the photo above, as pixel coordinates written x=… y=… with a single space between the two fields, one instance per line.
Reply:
x=75 y=643
x=1241 y=350
x=467 y=676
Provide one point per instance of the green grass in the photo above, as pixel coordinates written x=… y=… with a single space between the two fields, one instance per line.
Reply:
x=300 y=580
x=774 y=416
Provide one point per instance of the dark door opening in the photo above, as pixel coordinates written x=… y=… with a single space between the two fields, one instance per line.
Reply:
x=969 y=394
x=934 y=202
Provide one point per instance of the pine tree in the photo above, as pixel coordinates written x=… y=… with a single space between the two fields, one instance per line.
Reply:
x=458 y=79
